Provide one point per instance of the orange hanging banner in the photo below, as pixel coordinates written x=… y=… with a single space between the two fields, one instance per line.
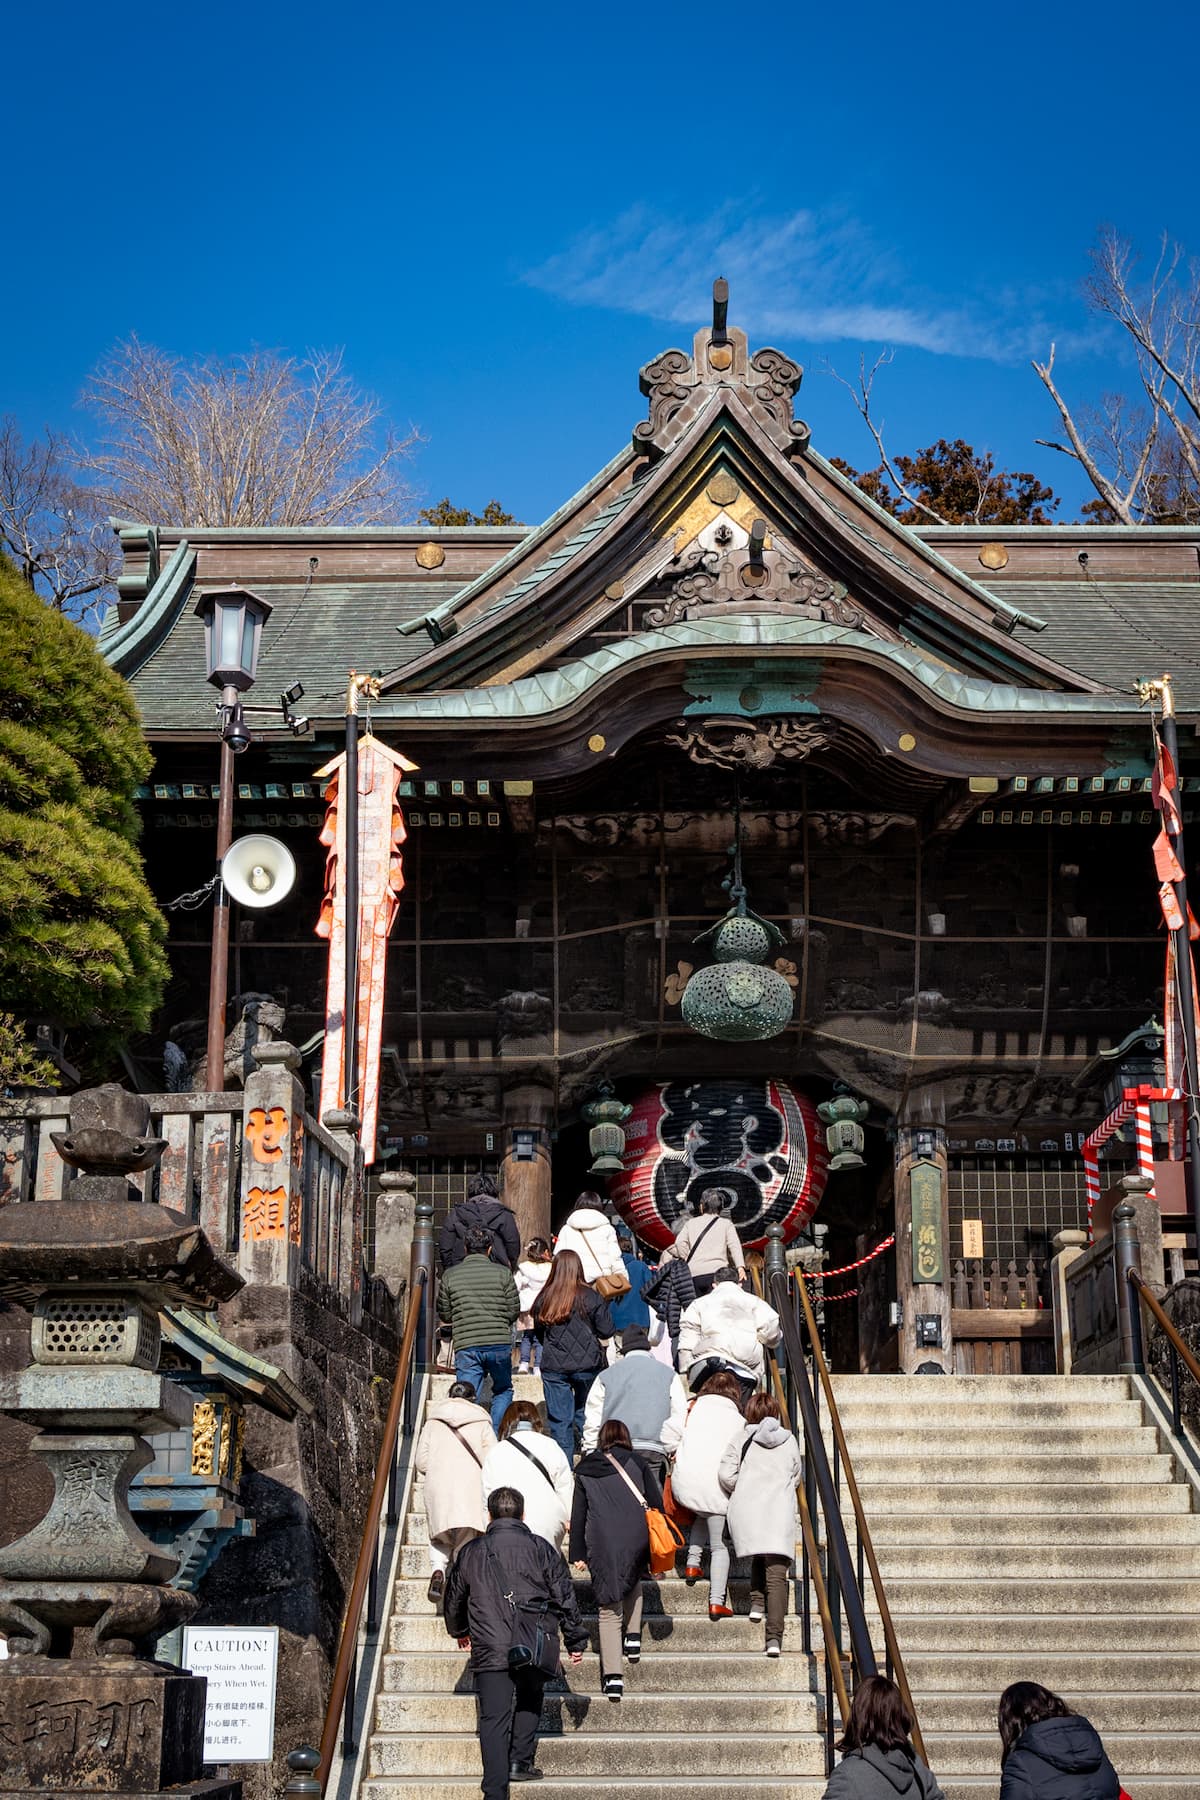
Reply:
x=380 y=878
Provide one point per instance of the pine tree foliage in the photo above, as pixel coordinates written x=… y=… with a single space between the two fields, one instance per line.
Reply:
x=82 y=944
x=446 y=513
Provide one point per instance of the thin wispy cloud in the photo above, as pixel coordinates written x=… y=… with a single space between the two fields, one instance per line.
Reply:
x=818 y=276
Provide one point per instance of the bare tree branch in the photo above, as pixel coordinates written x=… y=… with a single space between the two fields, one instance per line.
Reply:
x=1150 y=470
x=53 y=527
x=262 y=440
x=861 y=396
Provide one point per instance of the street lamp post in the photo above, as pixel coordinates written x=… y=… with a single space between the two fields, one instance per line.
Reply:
x=233 y=621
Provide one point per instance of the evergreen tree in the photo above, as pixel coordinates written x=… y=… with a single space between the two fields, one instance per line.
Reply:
x=82 y=941
x=953 y=483
x=445 y=513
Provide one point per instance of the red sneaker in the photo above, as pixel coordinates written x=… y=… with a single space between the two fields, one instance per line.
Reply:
x=720 y=1612
x=692 y=1573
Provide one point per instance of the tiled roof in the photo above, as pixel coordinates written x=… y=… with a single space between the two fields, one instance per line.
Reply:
x=1116 y=631
x=314 y=638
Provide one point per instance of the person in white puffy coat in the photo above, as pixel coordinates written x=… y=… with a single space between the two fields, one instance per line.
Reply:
x=526 y=1459
x=714 y=1421
x=760 y=1472
x=727 y=1328
x=593 y=1239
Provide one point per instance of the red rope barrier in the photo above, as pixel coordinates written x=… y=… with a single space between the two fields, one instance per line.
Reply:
x=847 y=1268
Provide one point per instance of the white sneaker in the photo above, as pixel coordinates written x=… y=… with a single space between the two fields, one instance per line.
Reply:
x=755 y=1615
x=772 y=1647
x=522 y=1368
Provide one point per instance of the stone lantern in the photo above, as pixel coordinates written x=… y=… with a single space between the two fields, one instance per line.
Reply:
x=82 y=1592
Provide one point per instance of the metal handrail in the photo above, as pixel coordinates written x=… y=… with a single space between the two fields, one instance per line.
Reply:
x=1177 y=1349
x=340 y=1707
x=812 y=1565
x=864 y=1534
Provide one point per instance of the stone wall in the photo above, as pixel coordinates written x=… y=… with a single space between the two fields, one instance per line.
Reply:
x=306 y=1485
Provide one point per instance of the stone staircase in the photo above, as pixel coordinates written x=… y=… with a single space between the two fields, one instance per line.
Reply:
x=704 y=1711
x=1027 y=1527
x=1034 y=1527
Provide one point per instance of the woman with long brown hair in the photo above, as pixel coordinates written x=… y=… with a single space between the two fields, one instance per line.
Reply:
x=878 y=1760
x=571 y=1322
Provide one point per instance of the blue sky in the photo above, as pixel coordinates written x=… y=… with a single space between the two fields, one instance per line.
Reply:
x=501 y=213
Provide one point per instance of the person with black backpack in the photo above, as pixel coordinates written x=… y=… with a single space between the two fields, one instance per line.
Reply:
x=480 y=1210
x=507 y=1594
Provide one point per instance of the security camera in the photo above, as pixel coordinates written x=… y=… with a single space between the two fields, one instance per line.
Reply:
x=236 y=732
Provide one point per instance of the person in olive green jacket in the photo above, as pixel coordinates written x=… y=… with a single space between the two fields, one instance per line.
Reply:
x=478 y=1300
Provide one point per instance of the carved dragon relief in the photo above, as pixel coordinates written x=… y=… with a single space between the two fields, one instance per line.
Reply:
x=735 y=743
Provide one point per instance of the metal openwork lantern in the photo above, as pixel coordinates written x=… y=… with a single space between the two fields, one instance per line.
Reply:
x=737 y=999
x=606 y=1139
x=843 y=1118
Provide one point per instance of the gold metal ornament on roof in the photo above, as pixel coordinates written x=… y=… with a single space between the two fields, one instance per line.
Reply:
x=430 y=555
x=993 y=556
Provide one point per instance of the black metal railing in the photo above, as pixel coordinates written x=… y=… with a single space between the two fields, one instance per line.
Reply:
x=838 y=1575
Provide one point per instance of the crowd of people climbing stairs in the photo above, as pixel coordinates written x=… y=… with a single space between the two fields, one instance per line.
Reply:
x=659 y=1435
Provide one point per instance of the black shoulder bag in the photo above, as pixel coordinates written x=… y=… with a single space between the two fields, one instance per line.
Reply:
x=533 y=1646
x=537 y=1462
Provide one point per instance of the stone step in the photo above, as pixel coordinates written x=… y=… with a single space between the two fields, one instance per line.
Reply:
x=693 y=1633
x=883 y=1494
x=669 y=1787
x=960 y=1412
x=663 y=1669
x=525 y=1387
x=891 y=1393
x=986 y=1597
x=1017 y=1467
x=1122 y=1530
x=929 y=1441
x=1132 y=1754
x=667 y=1594
x=643 y=1710
x=1059 y=1631
x=733 y=1755
x=988 y=1673
x=680 y=1787
x=1110 y=1713
x=1037 y=1563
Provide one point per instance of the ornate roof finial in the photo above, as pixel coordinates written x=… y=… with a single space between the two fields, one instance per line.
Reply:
x=678 y=385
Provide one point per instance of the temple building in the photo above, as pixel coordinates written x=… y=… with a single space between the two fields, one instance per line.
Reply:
x=910 y=763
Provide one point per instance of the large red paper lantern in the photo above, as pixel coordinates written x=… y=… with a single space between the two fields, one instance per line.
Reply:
x=759 y=1140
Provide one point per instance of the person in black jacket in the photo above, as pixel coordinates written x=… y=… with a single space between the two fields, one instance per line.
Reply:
x=1049 y=1752
x=509 y=1559
x=609 y=1537
x=480 y=1208
x=570 y=1320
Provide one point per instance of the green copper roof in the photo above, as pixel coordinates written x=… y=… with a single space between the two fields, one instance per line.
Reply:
x=551 y=691
x=191 y=1332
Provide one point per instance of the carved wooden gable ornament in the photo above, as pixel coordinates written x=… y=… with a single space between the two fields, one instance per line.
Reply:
x=719 y=506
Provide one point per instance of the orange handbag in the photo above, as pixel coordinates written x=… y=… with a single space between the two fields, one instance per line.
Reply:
x=666 y=1540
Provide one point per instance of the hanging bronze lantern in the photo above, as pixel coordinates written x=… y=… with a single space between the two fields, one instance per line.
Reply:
x=843 y=1118
x=736 y=999
x=606 y=1139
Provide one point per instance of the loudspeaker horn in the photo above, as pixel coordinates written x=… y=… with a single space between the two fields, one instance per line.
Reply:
x=258 y=871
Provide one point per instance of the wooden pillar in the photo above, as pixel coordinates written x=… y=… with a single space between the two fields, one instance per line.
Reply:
x=525 y=1178
x=925 y=1247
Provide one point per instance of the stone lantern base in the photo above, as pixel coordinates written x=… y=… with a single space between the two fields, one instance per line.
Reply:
x=81 y=1727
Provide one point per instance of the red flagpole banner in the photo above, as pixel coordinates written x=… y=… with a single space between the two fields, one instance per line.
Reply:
x=381 y=833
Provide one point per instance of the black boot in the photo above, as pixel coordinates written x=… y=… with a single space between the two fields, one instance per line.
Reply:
x=524 y=1772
